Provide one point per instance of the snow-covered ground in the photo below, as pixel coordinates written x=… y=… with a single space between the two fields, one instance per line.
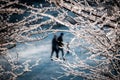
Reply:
x=39 y=53
x=35 y=57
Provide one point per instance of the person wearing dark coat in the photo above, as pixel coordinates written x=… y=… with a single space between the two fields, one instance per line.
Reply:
x=54 y=46
x=60 y=44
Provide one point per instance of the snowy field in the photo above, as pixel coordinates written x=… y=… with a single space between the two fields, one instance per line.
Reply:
x=39 y=53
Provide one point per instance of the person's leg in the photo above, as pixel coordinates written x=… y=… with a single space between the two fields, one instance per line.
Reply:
x=57 y=55
x=52 y=53
x=62 y=53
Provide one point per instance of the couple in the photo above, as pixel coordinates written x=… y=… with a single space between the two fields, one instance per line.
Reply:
x=57 y=45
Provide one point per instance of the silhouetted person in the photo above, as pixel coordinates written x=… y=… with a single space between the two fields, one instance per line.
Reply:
x=60 y=44
x=54 y=46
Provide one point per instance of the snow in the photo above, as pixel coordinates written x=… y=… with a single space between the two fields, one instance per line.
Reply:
x=35 y=57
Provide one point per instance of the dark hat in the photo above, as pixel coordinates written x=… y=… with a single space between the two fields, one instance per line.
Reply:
x=62 y=33
x=55 y=35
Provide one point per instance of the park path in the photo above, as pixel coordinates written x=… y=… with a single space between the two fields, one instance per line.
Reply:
x=46 y=69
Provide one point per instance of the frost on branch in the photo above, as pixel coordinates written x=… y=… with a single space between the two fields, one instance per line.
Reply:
x=15 y=31
x=95 y=25
x=96 y=30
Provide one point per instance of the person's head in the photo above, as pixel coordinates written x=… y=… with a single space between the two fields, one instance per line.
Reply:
x=62 y=34
x=55 y=36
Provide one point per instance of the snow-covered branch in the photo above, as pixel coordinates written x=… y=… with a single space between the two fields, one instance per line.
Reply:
x=95 y=25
